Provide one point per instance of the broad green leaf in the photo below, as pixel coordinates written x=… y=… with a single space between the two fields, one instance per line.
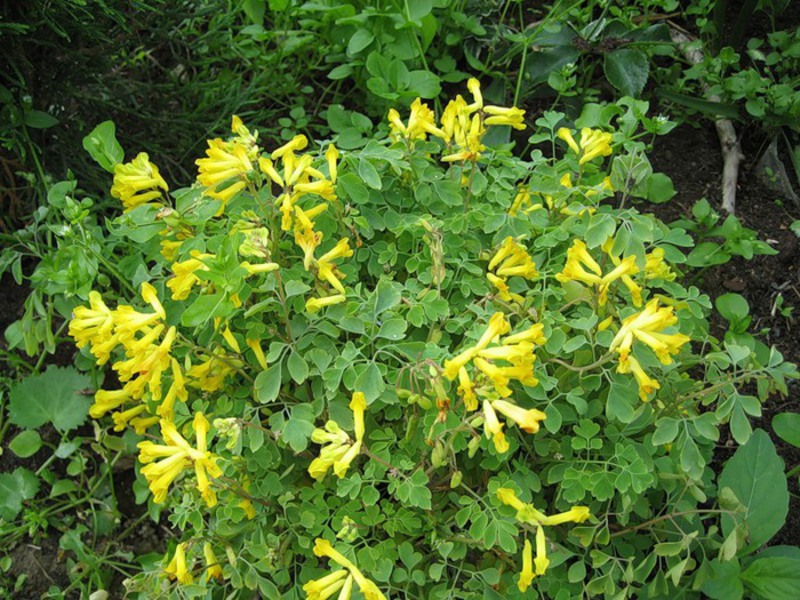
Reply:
x=103 y=147
x=776 y=578
x=37 y=119
x=387 y=295
x=16 y=487
x=359 y=40
x=660 y=188
x=755 y=474
x=370 y=382
x=52 y=397
x=298 y=429
x=26 y=443
x=393 y=329
x=627 y=70
x=298 y=367
x=787 y=427
x=268 y=384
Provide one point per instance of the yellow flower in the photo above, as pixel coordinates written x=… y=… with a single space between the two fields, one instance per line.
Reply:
x=255 y=346
x=623 y=270
x=108 y=400
x=148 y=364
x=169 y=249
x=324 y=549
x=513 y=260
x=184 y=275
x=656 y=268
x=325 y=587
x=95 y=326
x=493 y=428
x=211 y=373
x=137 y=182
x=495 y=374
x=177 y=568
x=541 y=561
x=421 y=122
x=308 y=240
x=213 y=566
x=497 y=326
x=526 y=575
x=315 y=304
x=594 y=143
x=338 y=451
x=646 y=326
x=225 y=170
x=565 y=134
x=268 y=168
x=534 y=334
x=358 y=404
x=577 y=514
x=499 y=115
x=298 y=142
x=466 y=390
x=176 y=391
x=453 y=365
x=526 y=419
x=332 y=156
x=503 y=291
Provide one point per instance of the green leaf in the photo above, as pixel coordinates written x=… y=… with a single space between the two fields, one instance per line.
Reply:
x=37 y=119
x=255 y=9
x=775 y=578
x=52 y=397
x=268 y=384
x=359 y=40
x=299 y=427
x=370 y=382
x=755 y=474
x=732 y=307
x=601 y=227
x=387 y=295
x=666 y=431
x=26 y=443
x=787 y=427
x=103 y=147
x=15 y=487
x=622 y=398
x=206 y=307
x=393 y=329
x=298 y=367
x=660 y=188
x=369 y=174
x=627 y=70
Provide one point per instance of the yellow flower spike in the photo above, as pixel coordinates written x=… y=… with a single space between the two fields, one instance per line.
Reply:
x=307 y=240
x=511 y=352
x=315 y=304
x=358 y=405
x=526 y=419
x=332 y=157
x=566 y=135
x=150 y=296
x=177 y=391
x=108 y=400
x=526 y=575
x=541 y=561
x=267 y=167
x=325 y=587
x=137 y=182
x=177 y=568
x=506 y=249
x=323 y=188
x=298 y=142
x=493 y=428
x=213 y=566
x=294 y=173
x=328 y=272
x=184 y=278
x=255 y=346
x=466 y=390
x=324 y=549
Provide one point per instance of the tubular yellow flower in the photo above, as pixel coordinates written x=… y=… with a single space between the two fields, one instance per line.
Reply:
x=177 y=568
x=509 y=497
x=176 y=391
x=495 y=374
x=526 y=419
x=213 y=566
x=526 y=575
x=577 y=514
x=594 y=143
x=225 y=162
x=325 y=587
x=474 y=87
x=466 y=390
x=255 y=346
x=511 y=352
x=298 y=142
x=268 y=168
x=323 y=549
x=108 y=400
x=184 y=275
x=358 y=405
x=541 y=561
x=499 y=115
x=566 y=135
x=497 y=326
x=534 y=334
x=453 y=365
x=493 y=428
x=647 y=385
x=252 y=269
x=137 y=182
x=332 y=156
x=655 y=266
x=315 y=304
x=93 y=325
x=340 y=250
x=308 y=240
x=210 y=374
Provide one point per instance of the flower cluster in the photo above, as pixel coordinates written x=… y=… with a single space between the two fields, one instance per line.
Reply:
x=339 y=450
x=594 y=143
x=491 y=379
x=526 y=513
x=341 y=580
x=137 y=182
x=579 y=260
x=511 y=260
x=164 y=462
x=462 y=125
x=647 y=327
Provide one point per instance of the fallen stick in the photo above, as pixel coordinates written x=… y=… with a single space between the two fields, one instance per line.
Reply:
x=731 y=149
